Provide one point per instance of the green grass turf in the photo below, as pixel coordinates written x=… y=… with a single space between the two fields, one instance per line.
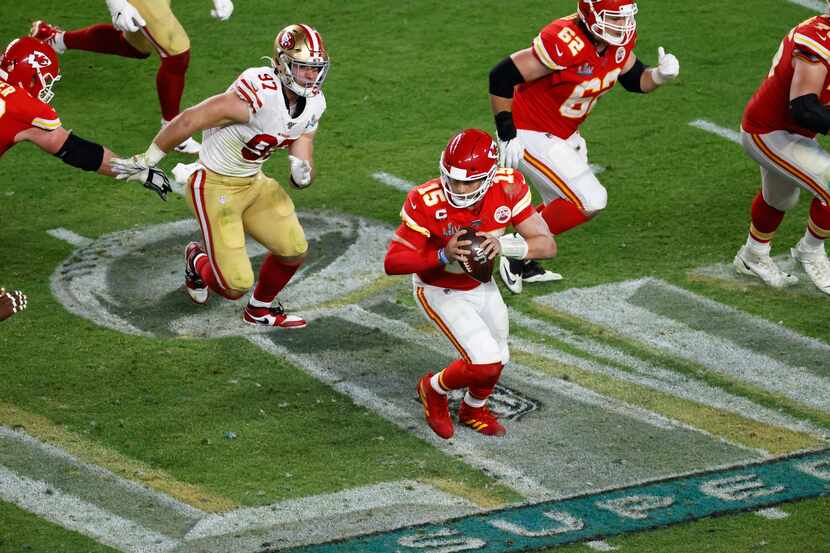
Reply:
x=405 y=76
x=22 y=532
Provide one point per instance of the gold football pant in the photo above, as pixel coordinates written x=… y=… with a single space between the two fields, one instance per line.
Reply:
x=228 y=208
x=163 y=33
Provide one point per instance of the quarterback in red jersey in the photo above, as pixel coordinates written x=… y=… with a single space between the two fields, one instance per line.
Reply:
x=28 y=71
x=778 y=131
x=140 y=27
x=471 y=192
x=542 y=94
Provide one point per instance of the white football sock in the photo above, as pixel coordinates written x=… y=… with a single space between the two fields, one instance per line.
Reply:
x=256 y=303
x=436 y=386
x=810 y=243
x=473 y=402
x=758 y=248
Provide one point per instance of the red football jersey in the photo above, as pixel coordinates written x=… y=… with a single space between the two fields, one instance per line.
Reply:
x=19 y=111
x=429 y=220
x=769 y=108
x=558 y=103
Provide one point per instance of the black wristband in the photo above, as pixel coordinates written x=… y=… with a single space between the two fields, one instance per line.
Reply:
x=81 y=153
x=504 y=126
x=631 y=79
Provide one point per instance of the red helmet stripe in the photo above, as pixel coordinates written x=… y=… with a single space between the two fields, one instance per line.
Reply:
x=313 y=37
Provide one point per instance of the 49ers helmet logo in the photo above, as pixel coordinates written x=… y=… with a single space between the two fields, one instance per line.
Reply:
x=287 y=40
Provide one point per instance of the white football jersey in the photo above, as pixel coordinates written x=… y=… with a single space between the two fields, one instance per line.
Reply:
x=239 y=150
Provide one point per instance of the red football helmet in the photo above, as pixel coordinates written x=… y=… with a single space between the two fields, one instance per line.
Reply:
x=32 y=65
x=610 y=20
x=471 y=155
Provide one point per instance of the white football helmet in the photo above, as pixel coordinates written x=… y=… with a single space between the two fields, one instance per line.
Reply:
x=301 y=59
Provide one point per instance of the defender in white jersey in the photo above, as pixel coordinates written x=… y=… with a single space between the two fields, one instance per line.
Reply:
x=266 y=108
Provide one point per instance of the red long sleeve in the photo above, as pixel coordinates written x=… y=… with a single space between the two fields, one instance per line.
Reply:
x=402 y=260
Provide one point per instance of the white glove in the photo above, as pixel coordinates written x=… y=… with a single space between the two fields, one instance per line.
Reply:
x=222 y=9
x=125 y=168
x=300 y=171
x=125 y=17
x=668 y=68
x=510 y=152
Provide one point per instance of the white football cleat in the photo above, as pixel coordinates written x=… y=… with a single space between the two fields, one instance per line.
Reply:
x=189 y=146
x=761 y=266
x=534 y=272
x=815 y=264
x=511 y=273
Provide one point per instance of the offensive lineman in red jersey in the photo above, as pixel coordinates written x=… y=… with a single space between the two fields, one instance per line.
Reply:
x=28 y=70
x=138 y=28
x=472 y=192
x=778 y=131
x=557 y=81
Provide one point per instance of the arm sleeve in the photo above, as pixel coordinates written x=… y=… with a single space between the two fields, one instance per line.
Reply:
x=403 y=260
x=631 y=79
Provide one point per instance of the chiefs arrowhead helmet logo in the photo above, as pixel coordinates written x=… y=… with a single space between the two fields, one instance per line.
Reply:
x=38 y=59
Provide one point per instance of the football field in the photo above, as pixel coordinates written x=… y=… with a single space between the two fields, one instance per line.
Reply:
x=655 y=401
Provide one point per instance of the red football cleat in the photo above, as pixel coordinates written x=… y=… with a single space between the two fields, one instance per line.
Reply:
x=50 y=34
x=195 y=286
x=481 y=420
x=271 y=316
x=436 y=410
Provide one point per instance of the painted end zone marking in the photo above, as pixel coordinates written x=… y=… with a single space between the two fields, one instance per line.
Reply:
x=772 y=513
x=708 y=126
x=599 y=545
x=393 y=181
x=610 y=513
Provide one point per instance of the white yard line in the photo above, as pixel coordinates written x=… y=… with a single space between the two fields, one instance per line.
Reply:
x=393 y=181
x=814 y=5
x=772 y=513
x=74 y=514
x=599 y=545
x=723 y=132
x=68 y=236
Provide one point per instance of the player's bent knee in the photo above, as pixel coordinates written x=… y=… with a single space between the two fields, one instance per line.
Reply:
x=595 y=202
x=240 y=284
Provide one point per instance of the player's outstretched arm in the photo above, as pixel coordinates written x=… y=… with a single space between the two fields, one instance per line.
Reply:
x=540 y=242
x=301 y=160
x=216 y=111
x=521 y=66
x=90 y=156
x=11 y=303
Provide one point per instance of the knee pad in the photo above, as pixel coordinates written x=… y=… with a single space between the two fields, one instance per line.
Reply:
x=240 y=283
x=782 y=199
x=176 y=64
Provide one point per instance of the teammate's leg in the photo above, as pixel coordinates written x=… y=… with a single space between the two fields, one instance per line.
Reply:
x=101 y=38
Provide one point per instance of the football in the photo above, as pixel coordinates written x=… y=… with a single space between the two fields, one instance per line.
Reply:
x=477 y=265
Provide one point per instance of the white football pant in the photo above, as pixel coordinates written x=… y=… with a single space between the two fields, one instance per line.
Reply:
x=789 y=162
x=475 y=321
x=559 y=169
